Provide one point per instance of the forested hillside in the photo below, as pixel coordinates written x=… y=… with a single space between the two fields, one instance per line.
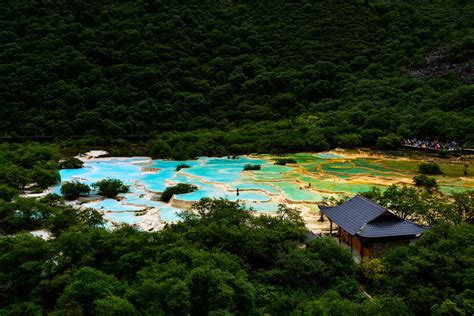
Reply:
x=355 y=70
x=221 y=260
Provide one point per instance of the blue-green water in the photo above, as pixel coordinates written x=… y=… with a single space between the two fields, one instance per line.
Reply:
x=112 y=205
x=169 y=214
x=255 y=186
x=263 y=207
x=208 y=174
x=220 y=177
x=123 y=217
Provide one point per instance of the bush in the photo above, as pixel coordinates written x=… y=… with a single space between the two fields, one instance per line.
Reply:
x=284 y=161
x=390 y=141
x=73 y=189
x=113 y=305
x=70 y=163
x=180 y=188
x=182 y=166
x=110 y=187
x=7 y=193
x=429 y=168
x=252 y=167
x=160 y=148
x=349 y=140
x=428 y=183
x=45 y=177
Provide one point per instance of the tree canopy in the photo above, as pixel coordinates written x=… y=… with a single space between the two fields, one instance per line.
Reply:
x=366 y=72
x=108 y=188
x=433 y=276
x=218 y=259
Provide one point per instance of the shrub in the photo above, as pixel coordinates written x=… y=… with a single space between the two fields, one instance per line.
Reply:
x=182 y=166
x=160 y=148
x=52 y=199
x=180 y=188
x=70 y=163
x=428 y=183
x=349 y=140
x=284 y=161
x=429 y=168
x=43 y=176
x=252 y=167
x=110 y=187
x=113 y=305
x=7 y=193
x=73 y=189
x=390 y=141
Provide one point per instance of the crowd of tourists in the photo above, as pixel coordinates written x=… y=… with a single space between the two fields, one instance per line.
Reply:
x=431 y=144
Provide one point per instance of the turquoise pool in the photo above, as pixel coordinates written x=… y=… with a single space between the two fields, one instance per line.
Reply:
x=232 y=196
x=220 y=177
x=263 y=207
x=208 y=174
x=112 y=205
x=255 y=186
x=298 y=193
x=169 y=214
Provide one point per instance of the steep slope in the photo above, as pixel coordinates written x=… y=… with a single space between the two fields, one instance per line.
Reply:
x=141 y=67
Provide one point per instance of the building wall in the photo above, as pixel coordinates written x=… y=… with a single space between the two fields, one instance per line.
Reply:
x=372 y=248
x=357 y=244
x=381 y=247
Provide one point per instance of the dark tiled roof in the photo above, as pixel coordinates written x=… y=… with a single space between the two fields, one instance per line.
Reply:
x=386 y=226
x=311 y=236
x=360 y=216
x=353 y=214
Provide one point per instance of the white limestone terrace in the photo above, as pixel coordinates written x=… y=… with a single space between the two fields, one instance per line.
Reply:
x=147 y=178
x=92 y=154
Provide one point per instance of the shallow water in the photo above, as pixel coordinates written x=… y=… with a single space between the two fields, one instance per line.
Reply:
x=328 y=156
x=263 y=207
x=232 y=196
x=255 y=186
x=123 y=217
x=112 y=205
x=262 y=190
x=298 y=193
x=169 y=214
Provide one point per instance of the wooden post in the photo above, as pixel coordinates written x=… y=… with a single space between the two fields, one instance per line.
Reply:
x=362 y=246
x=351 y=243
x=330 y=227
x=339 y=231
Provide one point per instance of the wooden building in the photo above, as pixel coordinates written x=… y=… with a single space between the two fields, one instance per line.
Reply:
x=369 y=228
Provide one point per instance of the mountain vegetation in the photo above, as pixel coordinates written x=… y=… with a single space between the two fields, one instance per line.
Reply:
x=32 y=167
x=358 y=72
x=220 y=259
x=434 y=276
x=70 y=163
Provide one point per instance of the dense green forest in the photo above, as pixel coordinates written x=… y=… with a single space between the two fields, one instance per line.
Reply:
x=220 y=259
x=355 y=71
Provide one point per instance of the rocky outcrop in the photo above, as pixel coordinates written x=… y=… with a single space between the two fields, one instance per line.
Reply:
x=437 y=65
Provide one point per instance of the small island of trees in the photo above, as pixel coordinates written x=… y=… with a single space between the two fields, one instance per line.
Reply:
x=179 y=188
x=110 y=188
x=73 y=189
x=250 y=167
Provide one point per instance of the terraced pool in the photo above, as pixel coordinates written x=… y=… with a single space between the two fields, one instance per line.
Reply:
x=311 y=179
